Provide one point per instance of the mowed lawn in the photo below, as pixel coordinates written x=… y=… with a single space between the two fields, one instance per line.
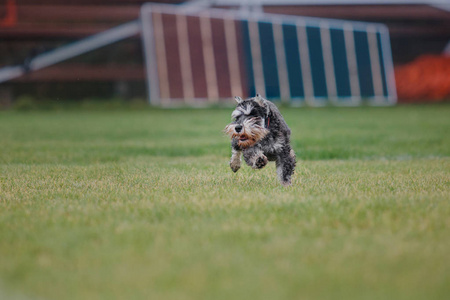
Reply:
x=142 y=205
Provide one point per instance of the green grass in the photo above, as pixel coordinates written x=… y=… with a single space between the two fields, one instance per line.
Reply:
x=142 y=205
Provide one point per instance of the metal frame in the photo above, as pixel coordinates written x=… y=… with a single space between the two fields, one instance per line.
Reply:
x=157 y=73
x=71 y=50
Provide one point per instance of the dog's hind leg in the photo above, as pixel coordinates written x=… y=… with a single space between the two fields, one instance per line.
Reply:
x=285 y=165
x=235 y=162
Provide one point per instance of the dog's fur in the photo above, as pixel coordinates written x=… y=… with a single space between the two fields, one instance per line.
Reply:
x=259 y=132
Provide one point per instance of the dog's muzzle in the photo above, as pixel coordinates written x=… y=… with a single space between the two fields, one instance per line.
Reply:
x=248 y=133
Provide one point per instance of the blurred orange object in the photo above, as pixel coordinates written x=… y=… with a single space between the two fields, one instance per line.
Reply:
x=426 y=79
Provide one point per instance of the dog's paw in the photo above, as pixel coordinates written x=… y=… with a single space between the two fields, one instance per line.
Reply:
x=235 y=167
x=286 y=183
x=235 y=162
x=260 y=162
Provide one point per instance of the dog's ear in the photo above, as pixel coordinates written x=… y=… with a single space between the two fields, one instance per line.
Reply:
x=263 y=103
x=238 y=99
x=259 y=100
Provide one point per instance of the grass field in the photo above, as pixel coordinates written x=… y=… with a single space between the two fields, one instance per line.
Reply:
x=142 y=205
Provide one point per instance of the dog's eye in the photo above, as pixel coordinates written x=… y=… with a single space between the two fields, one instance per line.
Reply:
x=236 y=119
x=252 y=113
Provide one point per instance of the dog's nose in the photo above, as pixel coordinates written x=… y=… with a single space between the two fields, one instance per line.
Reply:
x=238 y=128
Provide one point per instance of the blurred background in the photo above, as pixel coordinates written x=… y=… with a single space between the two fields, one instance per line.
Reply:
x=419 y=32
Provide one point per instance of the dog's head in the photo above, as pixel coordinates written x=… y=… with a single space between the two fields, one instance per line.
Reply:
x=249 y=121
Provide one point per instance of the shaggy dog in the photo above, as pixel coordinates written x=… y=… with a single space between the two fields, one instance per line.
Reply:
x=260 y=134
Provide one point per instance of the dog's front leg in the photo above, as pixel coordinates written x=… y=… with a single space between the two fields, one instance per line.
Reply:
x=235 y=162
x=255 y=158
